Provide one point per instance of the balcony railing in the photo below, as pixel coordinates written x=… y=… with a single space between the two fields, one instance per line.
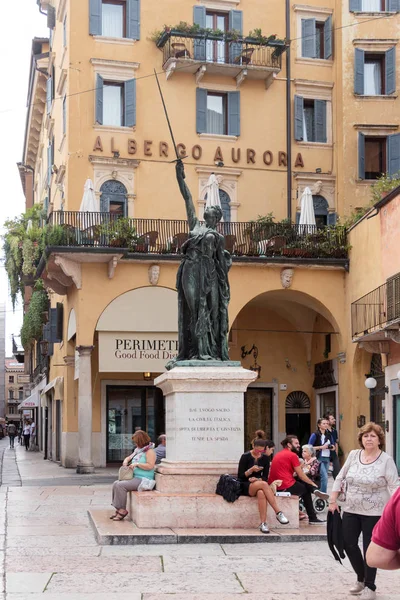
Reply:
x=222 y=50
x=376 y=310
x=162 y=236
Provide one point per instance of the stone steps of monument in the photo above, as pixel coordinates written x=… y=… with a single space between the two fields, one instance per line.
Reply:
x=112 y=533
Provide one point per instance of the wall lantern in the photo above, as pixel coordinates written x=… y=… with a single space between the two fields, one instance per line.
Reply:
x=371 y=383
x=361 y=421
x=254 y=351
x=147 y=376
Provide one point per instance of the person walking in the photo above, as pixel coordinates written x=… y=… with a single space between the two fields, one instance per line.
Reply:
x=335 y=441
x=27 y=434
x=12 y=431
x=287 y=462
x=322 y=442
x=370 y=476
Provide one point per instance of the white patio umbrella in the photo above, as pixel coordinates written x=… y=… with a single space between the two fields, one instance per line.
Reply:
x=89 y=200
x=212 y=192
x=307 y=214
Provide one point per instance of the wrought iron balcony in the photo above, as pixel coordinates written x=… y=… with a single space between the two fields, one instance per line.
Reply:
x=377 y=311
x=220 y=54
x=280 y=242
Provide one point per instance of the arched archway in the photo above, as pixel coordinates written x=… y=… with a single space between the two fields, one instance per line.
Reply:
x=298 y=415
x=113 y=198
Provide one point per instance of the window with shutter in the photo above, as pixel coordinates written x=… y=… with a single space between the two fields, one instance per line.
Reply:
x=130 y=103
x=390 y=71
x=359 y=71
x=201 y=110
x=310 y=120
x=393 y=150
x=115 y=18
x=308 y=38
x=393 y=297
x=60 y=321
x=235 y=24
x=298 y=118
x=199 y=44
x=328 y=38
x=233 y=113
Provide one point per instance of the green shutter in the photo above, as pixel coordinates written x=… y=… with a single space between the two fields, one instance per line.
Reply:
x=298 y=118
x=320 y=121
x=308 y=38
x=393 y=146
x=99 y=99
x=328 y=37
x=130 y=103
x=133 y=19
x=355 y=5
x=53 y=318
x=47 y=337
x=49 y=163
x=390 y=71
x=95 y=17
x=359 y=72
x=201 y=110
x=233 y=113
x=361 y=156
x=51 y=17
x=393 y=5
x=235 y=24
x=199 y=43
x=60 y=321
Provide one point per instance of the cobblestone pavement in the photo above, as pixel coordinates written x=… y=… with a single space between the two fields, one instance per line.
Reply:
x=48 y=551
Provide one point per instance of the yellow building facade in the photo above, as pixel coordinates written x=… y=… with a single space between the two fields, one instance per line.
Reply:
x=95 y=113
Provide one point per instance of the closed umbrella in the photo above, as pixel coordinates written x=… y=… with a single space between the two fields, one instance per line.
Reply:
x=307 y=214
x=212 y=192
x=89 y=200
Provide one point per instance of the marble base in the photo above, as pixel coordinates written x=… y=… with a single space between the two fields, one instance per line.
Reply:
x=205 y=412
x=84 y=469
x=195 y=477
x=157 y=510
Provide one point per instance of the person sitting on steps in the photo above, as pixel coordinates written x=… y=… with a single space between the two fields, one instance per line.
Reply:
x=253 y=474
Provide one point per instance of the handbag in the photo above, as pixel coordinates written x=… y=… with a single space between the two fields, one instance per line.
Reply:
x=344 y=484
x=125 y=474
x=146 y=484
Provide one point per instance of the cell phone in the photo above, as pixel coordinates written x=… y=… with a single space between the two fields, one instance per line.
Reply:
x=260 y=468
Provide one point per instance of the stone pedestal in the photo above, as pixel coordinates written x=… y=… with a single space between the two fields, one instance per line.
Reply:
x=204 y=425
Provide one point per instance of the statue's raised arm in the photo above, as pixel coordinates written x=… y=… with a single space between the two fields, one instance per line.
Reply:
x=190 y=210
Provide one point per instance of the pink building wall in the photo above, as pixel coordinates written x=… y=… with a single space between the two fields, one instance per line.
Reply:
x=390 y=237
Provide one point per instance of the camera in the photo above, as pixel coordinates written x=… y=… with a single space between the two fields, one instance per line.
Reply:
x=331 y=447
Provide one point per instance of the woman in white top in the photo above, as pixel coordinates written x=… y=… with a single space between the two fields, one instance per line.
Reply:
x=370 y=478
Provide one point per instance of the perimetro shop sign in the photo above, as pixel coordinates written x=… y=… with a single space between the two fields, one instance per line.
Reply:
x=136 y=352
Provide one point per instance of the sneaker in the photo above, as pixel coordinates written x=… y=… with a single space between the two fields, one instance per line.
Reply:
x=281 y=518
x=357 y=588
x=264 y=528
x=316 y=521
x=368 y=594
x=322 y=495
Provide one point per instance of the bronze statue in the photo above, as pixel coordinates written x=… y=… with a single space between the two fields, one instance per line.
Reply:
x=202 y=284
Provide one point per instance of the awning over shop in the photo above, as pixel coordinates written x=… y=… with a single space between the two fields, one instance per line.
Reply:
x=31 y=402
x=58 y=384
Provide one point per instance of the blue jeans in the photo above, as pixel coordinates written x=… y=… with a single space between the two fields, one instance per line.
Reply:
x=323 y=471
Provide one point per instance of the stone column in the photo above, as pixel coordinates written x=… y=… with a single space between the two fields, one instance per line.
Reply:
x=85 y=464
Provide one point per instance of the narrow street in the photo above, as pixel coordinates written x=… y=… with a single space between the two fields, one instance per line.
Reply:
x=49 y=551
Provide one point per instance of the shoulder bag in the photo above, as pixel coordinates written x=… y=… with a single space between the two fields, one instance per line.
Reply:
x=344 y=484
x=125 y=474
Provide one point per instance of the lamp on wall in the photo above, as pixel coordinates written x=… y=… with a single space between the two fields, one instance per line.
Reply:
x=254 y=351
x=147 y=376
x=361 y=421
x=371 y=383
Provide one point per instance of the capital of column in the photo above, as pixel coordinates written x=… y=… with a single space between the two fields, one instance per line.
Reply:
x=85 y=350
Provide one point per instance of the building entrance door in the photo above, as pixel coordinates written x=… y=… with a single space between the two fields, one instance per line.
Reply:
x=257 y=413
x=298 y=419
x=130 y=408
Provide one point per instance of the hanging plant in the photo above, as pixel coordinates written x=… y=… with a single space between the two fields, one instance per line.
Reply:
x=35 y=316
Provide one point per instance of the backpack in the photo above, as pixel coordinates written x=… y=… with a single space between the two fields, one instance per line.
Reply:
x=11 y=429
x=229 y=488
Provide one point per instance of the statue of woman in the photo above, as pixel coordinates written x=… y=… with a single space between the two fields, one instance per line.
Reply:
x=202 y=284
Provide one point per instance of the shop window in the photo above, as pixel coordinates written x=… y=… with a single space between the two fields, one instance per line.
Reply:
x=116 y=102
x=310 y=120
x=316 y=38
x=115 y=18
x=374 y=5
x=377 y=155
x=113 y=198
x=374 y=72
x=218 y=113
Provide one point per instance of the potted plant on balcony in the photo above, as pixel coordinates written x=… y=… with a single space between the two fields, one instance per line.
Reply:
x=119 y=233
x=34 y=318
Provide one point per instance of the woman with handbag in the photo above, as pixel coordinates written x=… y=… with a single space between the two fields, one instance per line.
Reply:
x=365 y=483
x=136 y=473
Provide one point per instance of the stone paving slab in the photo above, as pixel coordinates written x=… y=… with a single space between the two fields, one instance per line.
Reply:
x=165 y=583
x=53 y=541
x=164 y=550
x=63 y=564
x=26 y=553
x=77 y=596
x=32 y=531
x=27 y=583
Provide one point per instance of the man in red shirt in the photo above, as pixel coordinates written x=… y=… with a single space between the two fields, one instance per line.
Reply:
x=287 y=462
x=384 y=550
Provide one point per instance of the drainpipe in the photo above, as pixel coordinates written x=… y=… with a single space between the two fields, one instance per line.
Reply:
x=288 y=118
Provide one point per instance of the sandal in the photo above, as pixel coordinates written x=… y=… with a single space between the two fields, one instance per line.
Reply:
x=119 y=516
x=114 y=515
